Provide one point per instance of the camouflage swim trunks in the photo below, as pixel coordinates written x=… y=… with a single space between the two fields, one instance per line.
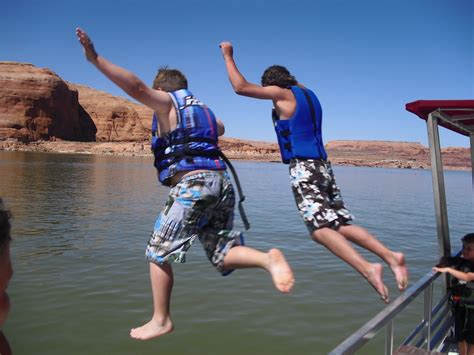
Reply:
x=199 y=206
x=317 y=196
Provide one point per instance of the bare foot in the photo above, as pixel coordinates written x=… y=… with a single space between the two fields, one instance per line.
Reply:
x=278 y=267
x=400 y=270
x=375 y=279
x=152 y=329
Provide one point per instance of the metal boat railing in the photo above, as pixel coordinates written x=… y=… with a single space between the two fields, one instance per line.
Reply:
x=430 y=333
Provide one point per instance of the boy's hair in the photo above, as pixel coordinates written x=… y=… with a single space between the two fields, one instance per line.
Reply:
x=170 y=80
x=5 y=226
x=468 y=238
x=279 y=76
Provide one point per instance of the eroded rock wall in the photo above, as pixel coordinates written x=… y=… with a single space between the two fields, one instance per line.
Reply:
x=35 y=104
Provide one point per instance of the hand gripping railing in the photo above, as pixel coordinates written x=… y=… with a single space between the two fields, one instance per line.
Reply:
x=432 y=319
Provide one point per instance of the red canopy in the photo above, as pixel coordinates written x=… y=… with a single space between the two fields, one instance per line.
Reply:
x=457 y=115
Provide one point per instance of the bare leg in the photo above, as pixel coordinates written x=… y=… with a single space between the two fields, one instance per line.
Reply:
x=462 y=347
x=340 y=247
x=363 y=238
x=470 y=349
x=273 y=261
x=160 y=324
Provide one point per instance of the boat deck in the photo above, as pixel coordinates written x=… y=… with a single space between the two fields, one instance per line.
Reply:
x=411 y=350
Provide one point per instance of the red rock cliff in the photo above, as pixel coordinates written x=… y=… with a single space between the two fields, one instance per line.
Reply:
x=116 y=118
x=35 y=104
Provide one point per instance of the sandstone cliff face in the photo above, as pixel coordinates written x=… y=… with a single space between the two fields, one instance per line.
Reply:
x=35 y=104
x=251 y=150
x=456 y=158
x=116 y=118
x=379 y=153
x=408 y=155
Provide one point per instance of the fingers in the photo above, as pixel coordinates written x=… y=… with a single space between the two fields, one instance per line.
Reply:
x=87 y=45
x=225 y=45
x=80 y=33
x=83 y=37
x=226 y=48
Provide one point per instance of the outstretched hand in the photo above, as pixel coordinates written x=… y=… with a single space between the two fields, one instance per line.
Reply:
x=87 y=45
x=227 y=49
x=440 y=269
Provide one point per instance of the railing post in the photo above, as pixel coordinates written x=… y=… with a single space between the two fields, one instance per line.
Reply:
x=471 y=139
x=427 y=305
x=389 y=339
x=439 y=193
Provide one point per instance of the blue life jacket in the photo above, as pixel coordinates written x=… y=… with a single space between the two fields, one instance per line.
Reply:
x=192 y=145
x=300 y=135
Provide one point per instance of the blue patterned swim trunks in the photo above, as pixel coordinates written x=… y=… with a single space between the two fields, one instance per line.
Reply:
x=199 y=206
x=317 y=195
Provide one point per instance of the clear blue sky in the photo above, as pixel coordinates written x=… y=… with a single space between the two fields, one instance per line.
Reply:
x=365 y=59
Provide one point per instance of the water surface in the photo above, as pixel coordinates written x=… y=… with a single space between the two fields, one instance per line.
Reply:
x=81 y=281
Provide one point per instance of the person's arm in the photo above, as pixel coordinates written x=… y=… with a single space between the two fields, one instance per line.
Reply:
x=241 y=85
x=463 y=276
x=126 y=80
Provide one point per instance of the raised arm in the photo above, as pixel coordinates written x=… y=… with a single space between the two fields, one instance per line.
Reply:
x=241 y=85
x=126 y=80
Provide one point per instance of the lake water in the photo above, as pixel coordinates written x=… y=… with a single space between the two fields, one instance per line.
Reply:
x=80 y=227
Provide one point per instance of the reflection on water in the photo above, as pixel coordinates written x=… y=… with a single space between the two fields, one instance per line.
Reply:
x=80 y=227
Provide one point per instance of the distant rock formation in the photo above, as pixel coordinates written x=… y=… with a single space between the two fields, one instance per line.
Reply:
x=379 y=153
x=36 y=104
x=249 y=150
x=38 y=108
x=408 y=155
x=117 y=119
x=388 y=154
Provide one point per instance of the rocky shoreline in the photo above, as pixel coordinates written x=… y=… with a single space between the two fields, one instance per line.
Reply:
x=380 y=154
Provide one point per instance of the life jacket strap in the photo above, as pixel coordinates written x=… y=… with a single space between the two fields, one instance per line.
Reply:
x=313 y=115
x=239 y=190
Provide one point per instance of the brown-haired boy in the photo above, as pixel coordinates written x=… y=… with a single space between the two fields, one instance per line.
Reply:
x=297 y=117
x=201 y=200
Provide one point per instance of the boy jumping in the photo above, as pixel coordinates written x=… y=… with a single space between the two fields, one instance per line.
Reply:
x=297 y=117
x=201 y=200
